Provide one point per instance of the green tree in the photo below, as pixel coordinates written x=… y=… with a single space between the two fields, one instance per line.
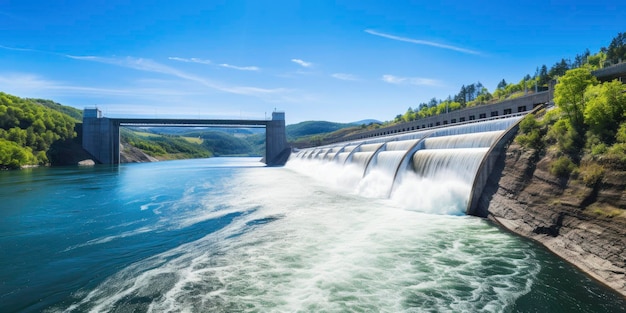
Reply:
x=408 y=116
x=617 y=49
x=605 y=109
x=544 y=78
x=32 y=126
x=597 y=60
x=559 y=68
x=569 y=95
x=433 y=102
x=581 y=59
x=12 y=155
x=502 y=84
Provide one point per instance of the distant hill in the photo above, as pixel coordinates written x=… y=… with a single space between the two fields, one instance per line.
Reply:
x=309 y=128
x=195 y=131
x=224 y=144
x=367 y=122
x=316 y=133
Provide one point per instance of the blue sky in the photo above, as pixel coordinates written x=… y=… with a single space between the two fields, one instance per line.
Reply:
x=339 y=61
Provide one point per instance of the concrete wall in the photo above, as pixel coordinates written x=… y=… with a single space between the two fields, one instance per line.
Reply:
x=612 y=72
x=518 y=105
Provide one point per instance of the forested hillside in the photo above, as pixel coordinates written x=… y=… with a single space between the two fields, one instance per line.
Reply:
x=474 y=94
x=164 y=146
x=74 y=113
x=28 y=129
x=585 y=135
x=159 y=142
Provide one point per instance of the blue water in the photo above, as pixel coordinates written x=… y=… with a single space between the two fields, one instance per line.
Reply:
x=229 y=235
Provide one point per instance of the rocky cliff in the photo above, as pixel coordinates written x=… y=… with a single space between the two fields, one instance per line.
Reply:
x=130 y=154
x=584 y=225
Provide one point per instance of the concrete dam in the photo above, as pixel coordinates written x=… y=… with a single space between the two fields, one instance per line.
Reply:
x=457 y=157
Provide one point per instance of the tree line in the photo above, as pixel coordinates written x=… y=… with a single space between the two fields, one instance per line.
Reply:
x=476 y=94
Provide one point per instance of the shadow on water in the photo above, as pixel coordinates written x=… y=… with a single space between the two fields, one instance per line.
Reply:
x=561 y=288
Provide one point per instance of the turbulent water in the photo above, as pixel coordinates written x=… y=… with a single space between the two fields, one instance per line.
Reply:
x=229 y=235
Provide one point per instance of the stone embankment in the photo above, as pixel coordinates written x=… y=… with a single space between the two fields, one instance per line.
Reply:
x=584 y=225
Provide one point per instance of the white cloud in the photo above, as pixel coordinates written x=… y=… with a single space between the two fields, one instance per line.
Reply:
x=421 y=42
x=417 y=81
x=192 y=60
x=155 y=67
x=302 y=63
x=344 y=76
x=241 y=68
x=208 y=62
x=17 y=49
x=25 y=83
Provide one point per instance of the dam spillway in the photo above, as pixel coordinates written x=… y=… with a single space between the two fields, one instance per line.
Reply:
x=431 y=170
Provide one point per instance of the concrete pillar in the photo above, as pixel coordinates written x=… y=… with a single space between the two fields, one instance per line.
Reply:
x=276 y=149
x=101 y=137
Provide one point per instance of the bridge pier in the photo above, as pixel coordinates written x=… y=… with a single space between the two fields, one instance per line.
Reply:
x=101 y=135
x=276 y=148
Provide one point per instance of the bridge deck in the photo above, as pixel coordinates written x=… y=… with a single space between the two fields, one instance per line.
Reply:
x=156 y=122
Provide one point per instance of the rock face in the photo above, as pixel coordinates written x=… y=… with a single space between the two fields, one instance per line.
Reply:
x=585 y=226
x=130 y=154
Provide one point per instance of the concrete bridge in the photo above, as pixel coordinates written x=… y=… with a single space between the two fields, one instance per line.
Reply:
x=101 y=135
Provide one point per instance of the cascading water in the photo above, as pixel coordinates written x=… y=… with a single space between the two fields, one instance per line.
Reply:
x=461 y=163
x=475 y=140
x=361 y=158
x=428 y=170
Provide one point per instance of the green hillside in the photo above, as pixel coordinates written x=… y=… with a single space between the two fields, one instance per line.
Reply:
x=28 y=129
x=181 y=143
x=74 y=113
x=309 y=128
x=164 y=147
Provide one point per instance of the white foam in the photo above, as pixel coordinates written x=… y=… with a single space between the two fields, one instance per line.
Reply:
x=320 y=249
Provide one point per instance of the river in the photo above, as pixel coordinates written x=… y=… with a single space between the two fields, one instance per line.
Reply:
x=230 y=235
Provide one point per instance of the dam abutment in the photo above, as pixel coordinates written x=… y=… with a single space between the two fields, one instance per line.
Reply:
x=478 y=201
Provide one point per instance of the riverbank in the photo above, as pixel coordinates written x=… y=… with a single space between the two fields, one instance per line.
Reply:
x=585 y=226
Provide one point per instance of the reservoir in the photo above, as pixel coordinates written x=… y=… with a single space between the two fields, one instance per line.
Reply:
x=231 y=235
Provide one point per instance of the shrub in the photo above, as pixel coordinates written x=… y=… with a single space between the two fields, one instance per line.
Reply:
x=562 y=167
x=531 y=140
x=598 y=149
x=591 y=174
x=621 y=133
x=530 y=133
x=566 y=137
x=616 y=154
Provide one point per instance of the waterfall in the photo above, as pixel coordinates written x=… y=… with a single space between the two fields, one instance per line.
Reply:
x=427 y=169
x=472 y=140
x=387 y=161
x=370 y=147
x=400 y=145
x=361 y=158
x=461 y=162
